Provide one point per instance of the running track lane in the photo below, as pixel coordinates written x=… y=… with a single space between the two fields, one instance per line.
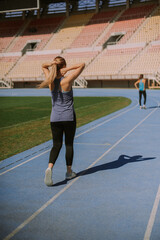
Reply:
x=114 y=144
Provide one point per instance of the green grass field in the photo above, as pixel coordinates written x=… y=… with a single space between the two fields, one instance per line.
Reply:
x=25 y=121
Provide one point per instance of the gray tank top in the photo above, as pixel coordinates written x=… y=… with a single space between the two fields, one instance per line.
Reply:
x=62 y=104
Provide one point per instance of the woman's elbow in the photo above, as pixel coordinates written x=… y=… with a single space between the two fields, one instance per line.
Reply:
x=83 y=65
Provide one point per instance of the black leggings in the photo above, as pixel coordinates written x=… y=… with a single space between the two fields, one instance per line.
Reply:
x=58 y=128
x=140 y=97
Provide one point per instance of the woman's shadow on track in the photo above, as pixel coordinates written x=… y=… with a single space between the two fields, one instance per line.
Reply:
x=153 y=107
x=122 y=160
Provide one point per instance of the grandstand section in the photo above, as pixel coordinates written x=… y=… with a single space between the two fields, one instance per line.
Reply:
x=39 y=30
x=117 y=40
x=8 y=31
x=93 y=29
x=112 y=60
x=150 y=31
x=6 y=64
x=85 y=55
x=69 y=31
x=147 y=62
x=128 y=22
x=29 y=66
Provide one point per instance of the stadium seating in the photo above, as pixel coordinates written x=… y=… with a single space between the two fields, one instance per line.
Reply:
x=8 y=31
x=93 y=29
x=70 y=30
x=147 y=62
x=30 y=66
x=38 y=29
x=129 y=21
x=81 y=38
x=111 y=61
x=6 y=63
x=150 y=31
x=77 y=57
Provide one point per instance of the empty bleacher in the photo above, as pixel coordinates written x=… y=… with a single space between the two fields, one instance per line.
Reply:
x=147 y=62
x=71 y=29
x=82 y=38
x=6 y=63
x=150 y=31
x=8 y=31
x=38 y=29
x=77 y=57
x=29 y=66
x=93 y=29
x=111 y=60
x=128 y=22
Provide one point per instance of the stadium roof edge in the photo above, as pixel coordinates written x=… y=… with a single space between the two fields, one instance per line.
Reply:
x=50 y=7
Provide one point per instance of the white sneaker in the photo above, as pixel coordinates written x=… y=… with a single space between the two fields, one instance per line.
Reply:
x=140 y=107
x=48 y=177
x=144 y=107
x=70 y=175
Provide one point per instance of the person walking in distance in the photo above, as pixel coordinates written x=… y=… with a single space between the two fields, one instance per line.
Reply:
x=63 y=118
x=142 y=90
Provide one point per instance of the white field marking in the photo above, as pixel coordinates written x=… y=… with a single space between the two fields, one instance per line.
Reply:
x=152 y=216
x=24 y=162
x=28 y=220
x=114 y=145
x=95 y=144
x=108 y=120
x=98 y=125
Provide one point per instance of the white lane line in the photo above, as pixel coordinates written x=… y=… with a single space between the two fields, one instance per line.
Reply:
x=24 y=162
x=102 y=123
x=114 y=145
x=93 y=144
x=152 y=216
x=28 y=220
x=98 y=125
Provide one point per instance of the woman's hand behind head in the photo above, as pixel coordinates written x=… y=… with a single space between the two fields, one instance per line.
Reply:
x=63 y=71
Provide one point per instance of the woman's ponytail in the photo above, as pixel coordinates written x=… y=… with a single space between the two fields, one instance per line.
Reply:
x=51 y=77
x=59 y=63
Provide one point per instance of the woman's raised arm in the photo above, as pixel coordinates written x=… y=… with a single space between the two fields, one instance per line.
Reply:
x=45 y=67
x=50 y=74
x=68 y=80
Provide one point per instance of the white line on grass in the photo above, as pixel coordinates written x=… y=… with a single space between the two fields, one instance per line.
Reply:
x=152 y=216
x=90 y=129
x=28 y=220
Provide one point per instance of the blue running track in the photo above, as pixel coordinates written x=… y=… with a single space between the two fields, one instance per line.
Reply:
x=116 y=194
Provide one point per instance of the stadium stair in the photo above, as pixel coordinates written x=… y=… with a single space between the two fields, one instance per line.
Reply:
x=80 y=82
x=146 y=20
x=53 y=35
x=141 y=51
x=14 y=65
x=19 y=33
x=147 y=62
x=108 y=28
x=155 y=79
x=5 y=84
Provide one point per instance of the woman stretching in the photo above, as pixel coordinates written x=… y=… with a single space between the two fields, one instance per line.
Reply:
x=142 y=90
x=63 y=119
